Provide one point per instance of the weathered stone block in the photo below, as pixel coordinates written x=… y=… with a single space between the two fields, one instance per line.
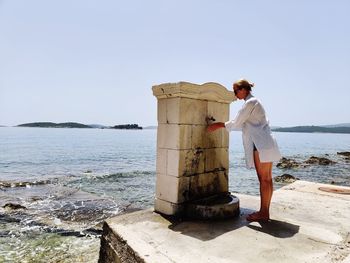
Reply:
x=199 y=136
x=219 y=111
x=161 y=111
x=172 y=189
x=174 y=136
x=208 y=91
x=225 y=136
x=185 y=162
x=161 y=165
x=202 y=139
x=216 y=159
x=207 y=184
x=214 y=139
x=168 y=208
x=186 y=111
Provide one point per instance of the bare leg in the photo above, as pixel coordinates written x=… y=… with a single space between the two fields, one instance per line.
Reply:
x=264 y=172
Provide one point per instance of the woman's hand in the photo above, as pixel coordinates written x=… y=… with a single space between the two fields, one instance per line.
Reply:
x=215 y=126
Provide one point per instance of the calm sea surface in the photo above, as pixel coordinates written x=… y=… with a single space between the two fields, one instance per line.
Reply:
x=68 y=180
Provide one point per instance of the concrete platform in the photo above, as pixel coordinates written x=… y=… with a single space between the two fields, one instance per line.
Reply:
x=308 y=225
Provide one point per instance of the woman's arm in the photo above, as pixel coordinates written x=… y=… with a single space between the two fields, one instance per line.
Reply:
x=241 y=117
x=215 y=126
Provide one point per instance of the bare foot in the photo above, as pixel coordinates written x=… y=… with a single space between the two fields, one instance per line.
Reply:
x=258 y=216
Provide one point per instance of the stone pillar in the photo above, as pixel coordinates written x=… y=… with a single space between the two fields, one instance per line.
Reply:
x=192 y=164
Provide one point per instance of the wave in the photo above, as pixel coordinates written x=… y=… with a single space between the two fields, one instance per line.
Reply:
x=130 y=174
x=13 y=184
x=119 y=175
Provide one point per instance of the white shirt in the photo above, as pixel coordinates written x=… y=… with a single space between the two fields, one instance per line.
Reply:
x=251 y=119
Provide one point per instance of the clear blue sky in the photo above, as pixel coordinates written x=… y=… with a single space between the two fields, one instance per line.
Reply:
x=96 y=61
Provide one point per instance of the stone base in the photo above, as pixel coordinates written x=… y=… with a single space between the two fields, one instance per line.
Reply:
x=211 y=208
x=217 y=207
x=168 y=208
x=307 y=225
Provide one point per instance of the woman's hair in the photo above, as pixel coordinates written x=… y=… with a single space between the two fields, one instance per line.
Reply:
x=244 y=84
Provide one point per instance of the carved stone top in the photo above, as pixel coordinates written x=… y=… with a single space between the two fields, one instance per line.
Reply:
x=210 y=91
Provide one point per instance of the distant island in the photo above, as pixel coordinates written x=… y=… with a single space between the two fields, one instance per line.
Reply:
x=313 y=129
x=54 y=125
x=79 y=125
x=127 y=127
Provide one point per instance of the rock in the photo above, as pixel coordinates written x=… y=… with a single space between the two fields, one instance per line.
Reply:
x=285 y=178
x=319 y=160
x=6 y=218
x=4 y=184
x=36 y=198
x=286 y=163
x=346 y=154
x=14 y=206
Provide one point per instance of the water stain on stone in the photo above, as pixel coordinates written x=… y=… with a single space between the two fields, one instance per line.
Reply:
x=193 y=160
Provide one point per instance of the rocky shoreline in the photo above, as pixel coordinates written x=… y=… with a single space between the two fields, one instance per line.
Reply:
x=52 y=215
x=293 y=165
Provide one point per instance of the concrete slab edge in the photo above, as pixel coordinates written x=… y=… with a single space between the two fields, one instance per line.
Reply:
x=115 y=249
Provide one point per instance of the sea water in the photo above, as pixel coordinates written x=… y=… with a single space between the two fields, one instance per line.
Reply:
x=69 y=180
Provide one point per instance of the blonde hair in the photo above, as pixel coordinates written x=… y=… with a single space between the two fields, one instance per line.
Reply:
x=244 y=84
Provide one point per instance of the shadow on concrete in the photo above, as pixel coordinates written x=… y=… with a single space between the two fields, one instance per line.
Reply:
x=208 y=229
x=276 y=228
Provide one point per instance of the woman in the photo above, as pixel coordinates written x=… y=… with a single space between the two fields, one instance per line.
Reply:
x=259 y=145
